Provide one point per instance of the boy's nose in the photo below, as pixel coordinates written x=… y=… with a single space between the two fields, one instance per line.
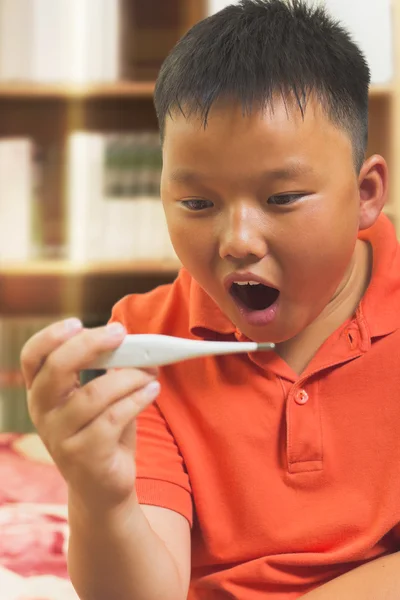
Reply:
x=243 y=235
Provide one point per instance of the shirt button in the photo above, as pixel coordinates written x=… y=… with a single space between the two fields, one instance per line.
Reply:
x=301 y=397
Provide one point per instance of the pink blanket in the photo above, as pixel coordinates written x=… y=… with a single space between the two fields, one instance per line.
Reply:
x=33 y=524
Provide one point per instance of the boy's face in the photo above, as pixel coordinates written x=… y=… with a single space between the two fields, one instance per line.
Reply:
x=267 y=197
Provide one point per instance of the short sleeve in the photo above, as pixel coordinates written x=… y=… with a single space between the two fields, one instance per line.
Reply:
x=161 y=478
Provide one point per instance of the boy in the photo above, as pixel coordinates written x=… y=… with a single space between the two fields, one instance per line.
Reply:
x=272 y=475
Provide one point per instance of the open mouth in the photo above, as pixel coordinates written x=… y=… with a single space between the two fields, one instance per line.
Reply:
x=254 y=296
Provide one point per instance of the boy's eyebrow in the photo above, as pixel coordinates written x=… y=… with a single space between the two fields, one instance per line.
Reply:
x=290 y=172
x=277 y=174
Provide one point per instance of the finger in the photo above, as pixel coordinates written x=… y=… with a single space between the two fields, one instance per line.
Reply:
x=93 y=399
x=107 y=429
x=39 y=346
x=58 y=376
x=151 y=370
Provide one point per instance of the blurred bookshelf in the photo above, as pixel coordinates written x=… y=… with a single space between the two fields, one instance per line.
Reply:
x=111 y=119
x=55 y=115
x=378 y=91
x=62 y=131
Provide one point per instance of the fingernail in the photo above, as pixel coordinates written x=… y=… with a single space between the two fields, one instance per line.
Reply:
x=152 y=390
x=115 y=329
x=72 y=324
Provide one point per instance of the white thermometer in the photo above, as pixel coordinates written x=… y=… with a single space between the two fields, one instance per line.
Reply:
x=154 y=350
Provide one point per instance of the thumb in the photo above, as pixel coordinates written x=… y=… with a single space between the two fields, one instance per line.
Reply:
x=128 y=436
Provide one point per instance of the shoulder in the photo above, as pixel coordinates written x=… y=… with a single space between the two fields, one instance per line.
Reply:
x=162 y=310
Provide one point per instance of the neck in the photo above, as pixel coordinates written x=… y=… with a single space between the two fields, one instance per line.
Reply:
x=299 y=351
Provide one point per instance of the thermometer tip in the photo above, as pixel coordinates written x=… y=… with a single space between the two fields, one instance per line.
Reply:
x=265 y=346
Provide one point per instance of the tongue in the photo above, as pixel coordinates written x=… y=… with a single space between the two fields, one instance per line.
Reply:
x=255 y=297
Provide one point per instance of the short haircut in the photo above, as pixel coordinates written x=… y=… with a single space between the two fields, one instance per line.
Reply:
x=249 y=51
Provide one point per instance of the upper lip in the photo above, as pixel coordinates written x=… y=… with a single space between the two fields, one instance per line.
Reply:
x=230 y=279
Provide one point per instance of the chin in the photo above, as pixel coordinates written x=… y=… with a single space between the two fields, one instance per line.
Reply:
x=274 y=333
x=261 y=335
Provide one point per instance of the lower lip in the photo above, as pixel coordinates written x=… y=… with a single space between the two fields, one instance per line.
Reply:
x=257 y=318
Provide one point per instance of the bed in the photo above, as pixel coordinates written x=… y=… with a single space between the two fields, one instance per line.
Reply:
x=33 y=523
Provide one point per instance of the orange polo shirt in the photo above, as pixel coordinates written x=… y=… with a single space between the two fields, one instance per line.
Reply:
x=287 y=481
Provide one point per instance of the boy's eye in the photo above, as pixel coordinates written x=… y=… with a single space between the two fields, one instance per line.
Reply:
x=197 y=204
x=284 y=199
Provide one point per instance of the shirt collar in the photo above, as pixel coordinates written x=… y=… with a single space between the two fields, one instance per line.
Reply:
x=380 y=306
x=381 y=302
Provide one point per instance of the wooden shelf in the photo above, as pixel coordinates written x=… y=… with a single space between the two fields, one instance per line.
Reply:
x=67 y=268
x=380 y=91
x=69 y=91
x=120 y=89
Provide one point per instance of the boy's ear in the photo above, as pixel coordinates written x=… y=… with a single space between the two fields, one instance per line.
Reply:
x=373 y=186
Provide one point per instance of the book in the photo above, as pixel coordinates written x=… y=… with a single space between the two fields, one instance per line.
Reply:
x=30 y=226
x=15 y=39
x=85 y=222
x=114 y=206
x=58 y=41
x=17 y=187
x=50 y=160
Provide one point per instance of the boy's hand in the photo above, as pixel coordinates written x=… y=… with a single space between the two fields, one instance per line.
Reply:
x=90 y=430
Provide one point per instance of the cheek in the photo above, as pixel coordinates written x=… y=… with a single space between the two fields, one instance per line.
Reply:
x=319 y=249
x=190 y=239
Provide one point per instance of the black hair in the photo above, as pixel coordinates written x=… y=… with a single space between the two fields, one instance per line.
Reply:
x=250 y=50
